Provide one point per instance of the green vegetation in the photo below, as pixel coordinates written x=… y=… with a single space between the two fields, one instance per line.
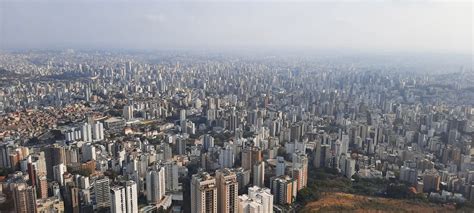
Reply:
x=308 y=194
x=369 y=186
x=329 y=180
x=83 y=172
x=319 y=181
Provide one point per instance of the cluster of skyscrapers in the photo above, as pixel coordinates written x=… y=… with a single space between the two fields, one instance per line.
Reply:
x=129 y=133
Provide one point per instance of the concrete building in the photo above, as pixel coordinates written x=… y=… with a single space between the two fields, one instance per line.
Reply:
x=280 y=166
x=155 y=184
x=284 y=189
x=128 y=112
x=102 y=192
x=226 y=157
x=227 y=190
x=258 y=200
x=203 y=193
x=258 y=178
x=171 y=176
x=24 y=198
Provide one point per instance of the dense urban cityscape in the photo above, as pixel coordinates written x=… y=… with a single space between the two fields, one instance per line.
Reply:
x=236 y=106
x=140 y=132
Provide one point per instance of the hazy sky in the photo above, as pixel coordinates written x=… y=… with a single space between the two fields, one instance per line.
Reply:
x=441 y=26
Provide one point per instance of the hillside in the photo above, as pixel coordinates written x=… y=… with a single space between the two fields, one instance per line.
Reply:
x=343 y=202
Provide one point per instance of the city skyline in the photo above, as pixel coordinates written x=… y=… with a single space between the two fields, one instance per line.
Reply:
x=236 y=106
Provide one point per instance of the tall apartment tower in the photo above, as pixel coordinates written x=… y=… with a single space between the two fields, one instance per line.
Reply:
x=280 y=166
x=284 y=189
x=102 y=192
x=123 y=199
x=24 y=198
x=182 y=120
x=55 y=155
x=226 y=157
x=98 y=131
x=227 y=191
x=172 y=176
x=300 y=169
x=128 y=112
x=86 y=132
x=180 y=146
x=155 y=185
x=131 y=196
x=258 y=200
x=117 y=199
x=203 y=193
x=259 y=174
x=250 y=156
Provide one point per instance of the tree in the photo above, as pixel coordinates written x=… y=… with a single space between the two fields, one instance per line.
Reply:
x=397 y=190
x=306 y=195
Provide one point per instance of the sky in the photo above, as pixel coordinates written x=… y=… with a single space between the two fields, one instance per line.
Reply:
x=377 y=25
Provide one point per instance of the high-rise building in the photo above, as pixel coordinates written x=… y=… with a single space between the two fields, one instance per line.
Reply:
x=203 y=193
x=87 y=132
x=54 y=155
x=42 y=187
x=259 y=174
x=123 y=198
x=155 y=184
x=4 y=152
x=128 y=112
x=88 y=152
x=208 y=142
x=344 y=144
x=296 y=132
x=431 y=181
x=58 y=172
x=98 y=131
x=250 y=156
x=171 y=176
x=280 y=166
x=258 y=200
x=408 y=174
x=31 y=170
x=40 y=160
x=264 y=196
x=24 y=198
x=14 y=160
x=182 y=115
x=180 y=146
x=131 y=196
x=227 y=191
x=300 y=169
x=347 y=165
x=243 y=177
x=72 y=197
x=102 y=192
x=226 y=157
x=88 y=94
x=322 y=155
x=284 y=189
x=300 y=177
x=233 y=121
x=117 y=199
x=182 y=121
